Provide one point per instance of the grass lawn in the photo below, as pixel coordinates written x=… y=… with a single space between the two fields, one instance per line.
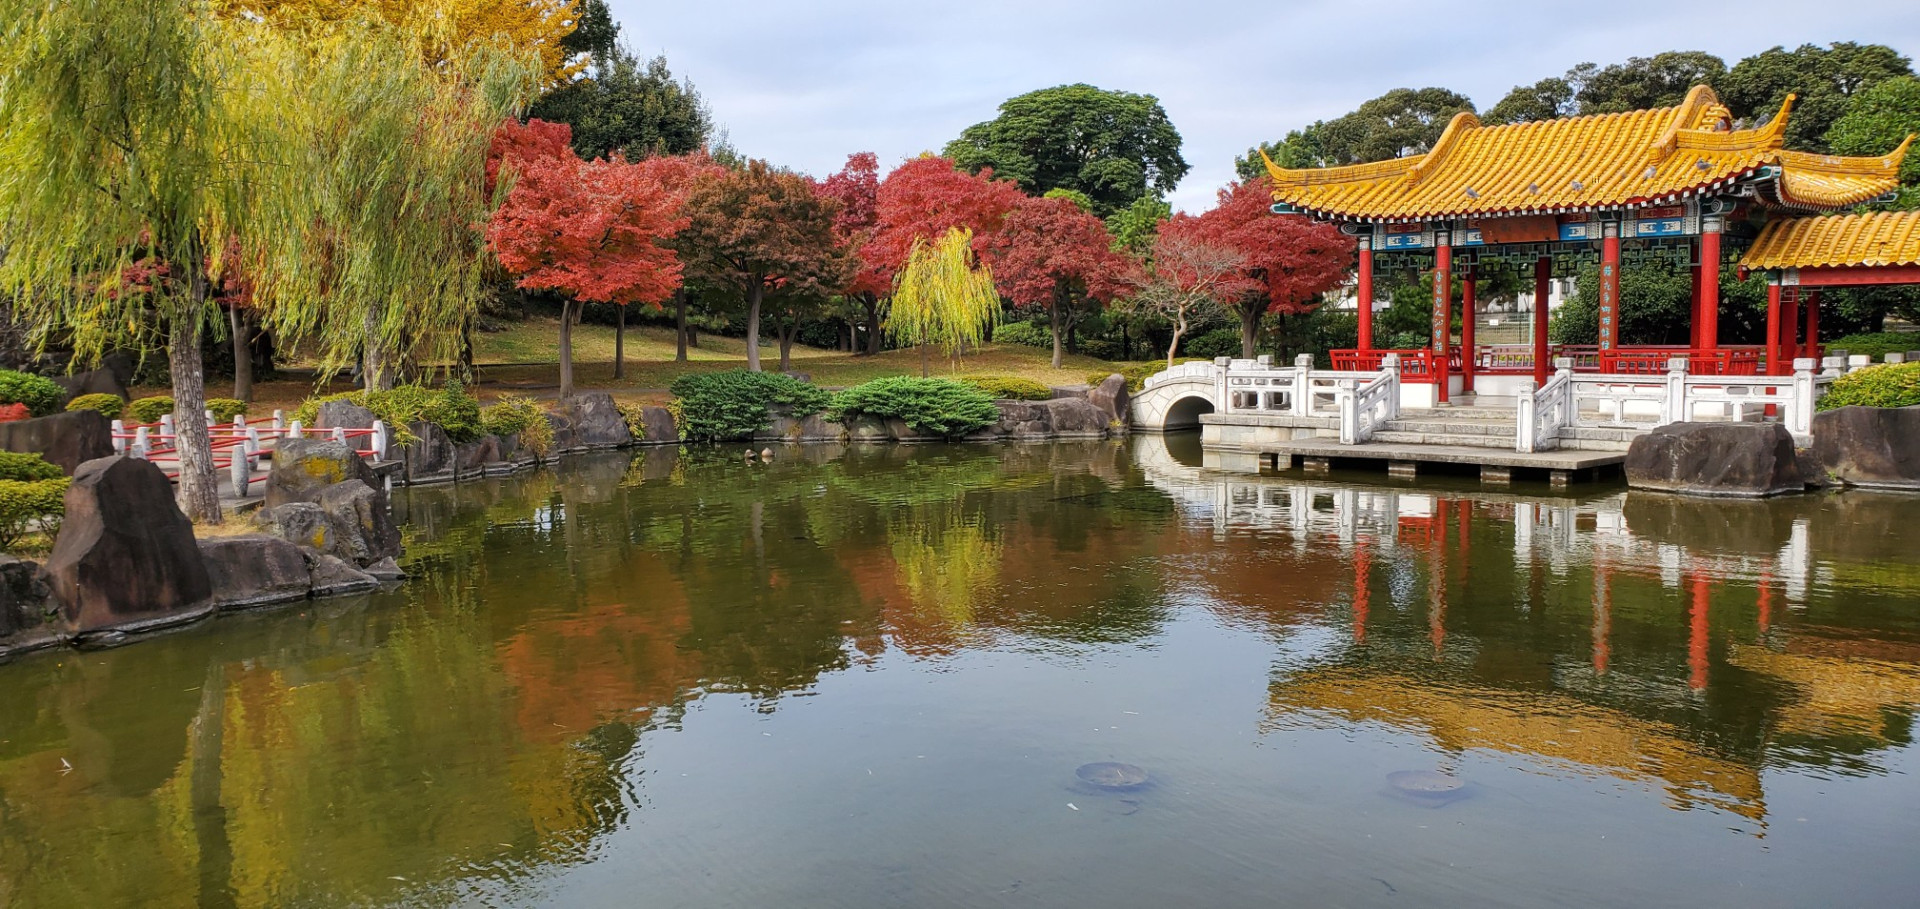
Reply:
x=524 y=360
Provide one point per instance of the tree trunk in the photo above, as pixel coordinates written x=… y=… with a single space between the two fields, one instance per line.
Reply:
x=213 y=847
x=198 y=495
x=873 y=325
x=376 y=371
x=680 y=326
x=786 y=345
x=1179 y=328
x=926 y=361
x=466 y=349
x=1249 y=330
x=754 y=296
x=1058 y=334
x=619 y=340
x=242 y=330
x=567 y=310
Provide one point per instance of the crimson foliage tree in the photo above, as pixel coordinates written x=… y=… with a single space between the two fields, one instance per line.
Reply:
x=1293 y=259
x=922 y=200
x=1052 y=253
x=757 y=228
x=679 y=174
x=857 y=188
x=590 y=230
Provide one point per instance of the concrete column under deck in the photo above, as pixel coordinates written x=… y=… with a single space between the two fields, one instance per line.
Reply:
x=1492 y=475
x=1403 y=470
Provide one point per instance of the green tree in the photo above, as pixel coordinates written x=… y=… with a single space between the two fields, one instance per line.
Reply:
x=1402 y=122
x=1661 y=80
x=1548 y=99
x=1134 y=227
x=1113 y=146
x=628 y=107
x=1877 y=120
x=118 y=159
x=944 y=298
x=1827 y=79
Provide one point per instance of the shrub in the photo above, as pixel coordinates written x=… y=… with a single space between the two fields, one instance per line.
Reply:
x=149 y=410
x=225 y=409
x=1024 y=333
x=1009 y=388
x=449 y=407
x=636 y=417
x=27 y=467
x=1877 y=345
x=14 y=413
x=108 y=406
x=1136 y=373
x=1100 y=348
x=518 y=416
x=939 y=407
x=1876 y=386
x=26 y=504
x=1220 y=342
x=41 y=394
x=724 y=406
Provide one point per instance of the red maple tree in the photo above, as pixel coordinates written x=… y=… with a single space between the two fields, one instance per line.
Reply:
x=590 y=230
x=923 y=199
x=679 y=174
x=1197 y=275
x=857 y=188
x=1052 y=253
x=1293 y=258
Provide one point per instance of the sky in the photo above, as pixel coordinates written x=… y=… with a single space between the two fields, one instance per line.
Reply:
x=804 y=84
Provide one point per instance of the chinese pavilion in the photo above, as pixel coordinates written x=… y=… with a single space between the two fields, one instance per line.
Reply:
x=1664 y=184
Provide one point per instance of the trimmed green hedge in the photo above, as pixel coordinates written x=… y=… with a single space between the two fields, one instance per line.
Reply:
x=27 y=467
x=149 y=410
x=108 y=406
x=26 y=504
x=1009 y=388
x=1878 y=345
x=225 y=409
x=1876 y=386
x=41 y=395
x=1220 y=342
x=1025 y=334
x=939 y=407
x=732 y=405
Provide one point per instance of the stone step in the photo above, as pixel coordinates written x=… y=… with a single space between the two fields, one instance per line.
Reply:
x=1602 y=434
x=1470 y=440
x=1461 y=414
x=1450 y=427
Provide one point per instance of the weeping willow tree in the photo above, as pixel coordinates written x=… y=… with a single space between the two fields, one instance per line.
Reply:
x=943 y=298
x=364 y=232
x=118 y=181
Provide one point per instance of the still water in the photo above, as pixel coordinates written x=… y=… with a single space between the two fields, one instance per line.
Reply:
x=866 y=679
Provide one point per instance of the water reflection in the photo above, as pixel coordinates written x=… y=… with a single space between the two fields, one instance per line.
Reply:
x=543 y=713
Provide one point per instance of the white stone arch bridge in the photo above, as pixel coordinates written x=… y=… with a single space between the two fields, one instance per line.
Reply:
x=1173 y=400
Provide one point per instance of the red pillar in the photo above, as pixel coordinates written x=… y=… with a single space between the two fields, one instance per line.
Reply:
x=1773 y=328
x=1789 y=328
x=1363 y=293
x=1602 y=617
x=1542 y=276
x=1709 y=284
x=1437 y=562
x=1813 y=325
x=1698 y=319
x=1362 y=575
x=1442 y=314
x=1467 y=351
x=1610 y=285
x=1698 y=636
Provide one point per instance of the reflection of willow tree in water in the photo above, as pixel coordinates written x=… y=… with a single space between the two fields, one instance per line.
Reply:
x=946 y=567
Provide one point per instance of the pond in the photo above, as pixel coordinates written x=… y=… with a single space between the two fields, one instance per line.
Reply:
x=876 y=678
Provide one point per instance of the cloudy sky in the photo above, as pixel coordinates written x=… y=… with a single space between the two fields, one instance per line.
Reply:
x=805 y=83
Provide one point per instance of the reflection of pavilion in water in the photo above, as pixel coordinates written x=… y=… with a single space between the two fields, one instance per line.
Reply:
x=1511 y=669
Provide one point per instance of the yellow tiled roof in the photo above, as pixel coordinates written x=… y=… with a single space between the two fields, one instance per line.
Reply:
x=1883 y=238
x=1601 y=161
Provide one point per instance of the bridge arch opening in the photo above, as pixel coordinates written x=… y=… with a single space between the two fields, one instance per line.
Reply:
x=1184 y=414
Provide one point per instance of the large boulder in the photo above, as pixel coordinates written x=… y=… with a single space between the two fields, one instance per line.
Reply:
x=67 y=439
x=29 y=615
x=126 y=558
x=303 y=467
x=472 y=458
x=343 y=414
x=1740 y=460
x=1112 y=398
x=332 y=577
x=362 y=514
x=810 y=428
x=658 y=427
x=1869 y=446
x=1077 y=418
x=430 y=457
x=304 y=524
x=588 y=421
x=867 y=429
x=255 y=570
x=1025 y=419
x=93 y=382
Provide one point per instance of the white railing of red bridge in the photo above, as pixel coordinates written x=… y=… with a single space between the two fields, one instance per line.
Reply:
x=240 y=446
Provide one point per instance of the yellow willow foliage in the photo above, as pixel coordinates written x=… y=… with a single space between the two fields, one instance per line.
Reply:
x=369 y=186
x=949 y=570
x=943 y=297
x=447 y=27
